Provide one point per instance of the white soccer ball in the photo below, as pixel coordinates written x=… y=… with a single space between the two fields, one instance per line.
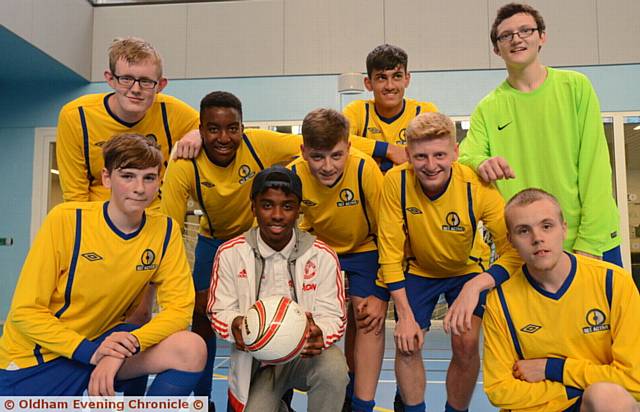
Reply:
x=274 y=330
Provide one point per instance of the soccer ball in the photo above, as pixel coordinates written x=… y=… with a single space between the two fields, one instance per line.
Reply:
x=275 y=329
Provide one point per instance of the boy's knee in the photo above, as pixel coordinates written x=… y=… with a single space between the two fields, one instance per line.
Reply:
x=189 y=350
x=607 y=396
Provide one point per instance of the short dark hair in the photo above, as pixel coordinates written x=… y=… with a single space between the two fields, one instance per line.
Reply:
x=509 y=10
x=526 y=197
x=131 y=151
x=386 y=57
x=221 y=99
x=323 y=129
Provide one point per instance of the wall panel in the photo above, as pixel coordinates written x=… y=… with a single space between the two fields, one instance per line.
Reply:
x=619 y=31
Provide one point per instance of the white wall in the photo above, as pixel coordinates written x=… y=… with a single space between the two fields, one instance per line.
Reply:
x=61 y=28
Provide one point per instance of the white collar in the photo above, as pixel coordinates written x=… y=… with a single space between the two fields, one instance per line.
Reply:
x=266 y=251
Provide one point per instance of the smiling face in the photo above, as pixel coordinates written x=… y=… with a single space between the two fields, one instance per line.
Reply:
x=131 y=103
x=537 y=232
x=327 y=165
x=276 y=213
x=221 y=130
x=432 y=160
x=519 y=52
x=388 y=88
x=132 y=190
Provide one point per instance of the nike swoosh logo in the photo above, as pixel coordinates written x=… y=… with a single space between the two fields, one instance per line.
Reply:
x=504 y=125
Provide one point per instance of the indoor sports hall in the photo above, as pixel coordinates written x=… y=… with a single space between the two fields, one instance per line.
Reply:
x=283 y=58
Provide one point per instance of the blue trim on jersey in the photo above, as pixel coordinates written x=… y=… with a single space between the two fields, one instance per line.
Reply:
x=565 y=285
x=199 y=194
x=573 y=392
x=252 y=151
x=85 y=143
x=396 y=285
x=167 y=235
x=403 y=197
x=418 y=108
x=507 y=316
x=165 y=122
x=554 y=369
x=38 y=354
x=380 y=149
x=85 y=351
x=366 y=119
x=362 y=198
x=72 y=265
x=479 y=262
x=112 y=226
x=444 y=189
x=389 y=120
x=609 y=286
x=472 y=216
x=114 y=116
x=294 y=170
x=498 y=273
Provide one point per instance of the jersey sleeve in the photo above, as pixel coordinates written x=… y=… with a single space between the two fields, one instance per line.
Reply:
x=428 y=107
x=329 y=305
x=176 y=187
x=175 y=291
x=70 y=157
x=354 y=117
x=594 y=175
x=493 y=218
x=474 y=148
x=623 y=369
x=183 y=119
x=223 y=305
x=503 y=390
x=391 y=232
x=31 y=314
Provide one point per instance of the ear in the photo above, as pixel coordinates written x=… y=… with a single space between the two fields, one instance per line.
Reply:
x=496 y=51
x=106 y=178
x=407 y=79
x=162 y=83
x=456 y=151
x=304 y=153
x=564 y=230
x=111 y=81
x=253 y=207
x=367 y=84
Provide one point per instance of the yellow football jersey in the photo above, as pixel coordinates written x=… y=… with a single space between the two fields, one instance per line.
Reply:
x=83 y=275
x=343 y=215
x=441 y=231
x=224 y=192
x=366 y=122
x=87 y=123
x=588 y=329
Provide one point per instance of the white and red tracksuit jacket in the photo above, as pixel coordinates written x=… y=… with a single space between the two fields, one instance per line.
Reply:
x=236 y=269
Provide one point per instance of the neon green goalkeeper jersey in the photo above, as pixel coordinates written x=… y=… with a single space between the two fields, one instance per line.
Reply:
x=553 y=139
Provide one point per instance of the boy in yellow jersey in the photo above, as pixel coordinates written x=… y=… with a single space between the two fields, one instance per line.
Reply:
x=561 y=334
x=220 y=179
x=386 y=116
x=65 y=330
x=341 y=191
x=434 y=204
x=136 y=105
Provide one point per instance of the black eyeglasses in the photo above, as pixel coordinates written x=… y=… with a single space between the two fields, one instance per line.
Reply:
x=129 y=81
x=522 y=33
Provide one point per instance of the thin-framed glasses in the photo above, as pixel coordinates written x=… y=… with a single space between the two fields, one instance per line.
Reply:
x=129 y=81
x=522 y=33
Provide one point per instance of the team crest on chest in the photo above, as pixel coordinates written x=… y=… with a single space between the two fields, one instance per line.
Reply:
x=402 y=137
x=245 y=174
x=346 y=198
x=452 y=223
x=374 y=130
x=309 y=203
x=147 y=260
x=596 y=320
x=309 y=270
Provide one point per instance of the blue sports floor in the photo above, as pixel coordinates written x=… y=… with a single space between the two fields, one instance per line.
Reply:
x=436 y=354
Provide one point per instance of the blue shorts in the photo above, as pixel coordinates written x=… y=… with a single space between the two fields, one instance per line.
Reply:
x=59 y=377
x=613 y=256
x=205 y=252
x=423 y=294
x=362 y=270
